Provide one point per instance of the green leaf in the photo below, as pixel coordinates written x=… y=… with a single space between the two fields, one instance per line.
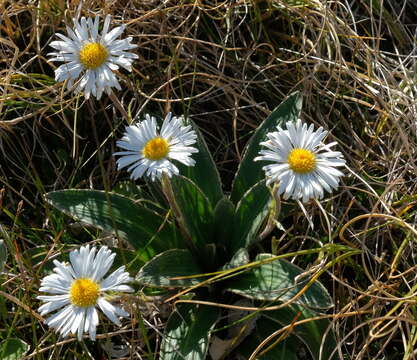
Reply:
x=204 y=173
x=223 y=218
x=188 y=332
x=3 y=254
x=13 y=349
x=137 y=193
x=162 y=270
x=241 y=257
x=314 y=334
x=130 y=190
x=284 y=350
x=128 y=258
x=196 y=211
x=156 y=193
x=130 y=220
x=250 y=172
x=276 y=281
x=251 y=212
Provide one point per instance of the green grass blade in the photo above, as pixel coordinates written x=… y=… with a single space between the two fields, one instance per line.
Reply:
x=3 y=254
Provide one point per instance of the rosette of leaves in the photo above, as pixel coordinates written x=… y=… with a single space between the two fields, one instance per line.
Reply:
x=193 y=238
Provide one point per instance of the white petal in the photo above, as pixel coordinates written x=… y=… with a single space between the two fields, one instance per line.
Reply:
x=95 y=81
x=53 y=305
x=93 y=322
x=127 y=160
x=295 y=185
x=108 y=310
x=79 y=315
x=106 y=25
x=60 y=317
x=109 y=37
x=178 y=136
x=104 y=266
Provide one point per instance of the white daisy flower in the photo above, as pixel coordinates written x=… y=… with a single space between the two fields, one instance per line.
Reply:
x=150 y=153
x=78 y=288
x=303 y=165
x=92 y=55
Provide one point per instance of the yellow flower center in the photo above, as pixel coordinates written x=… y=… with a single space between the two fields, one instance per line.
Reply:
x=93 y=54
x=156 y=149
x=302 y=161
x=84 y=292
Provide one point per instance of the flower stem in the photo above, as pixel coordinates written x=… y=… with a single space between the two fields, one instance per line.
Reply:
x=169 y=194
x=120 y=107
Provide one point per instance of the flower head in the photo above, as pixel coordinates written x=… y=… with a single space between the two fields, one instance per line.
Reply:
x=92 y=56
x=302 y=164
x=78 y=288
x=149 y=152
